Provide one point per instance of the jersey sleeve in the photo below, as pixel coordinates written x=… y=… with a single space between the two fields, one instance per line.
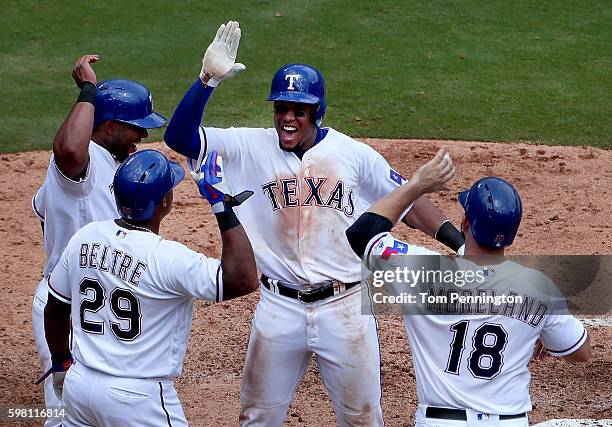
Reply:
x=562 y=334
x=193 y=274
x=223 y=141
x=59 y=283
x=81 y=187
x=380 y=180
x=38 y=203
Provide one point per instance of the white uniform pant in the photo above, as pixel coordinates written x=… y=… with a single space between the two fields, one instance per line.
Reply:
x=44 y=356
x=92 y=398
x=473 y=420
x=284 y=335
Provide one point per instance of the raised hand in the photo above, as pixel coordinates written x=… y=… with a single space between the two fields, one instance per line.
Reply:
x=435 y=174
x=83 y=72
x=219 y=62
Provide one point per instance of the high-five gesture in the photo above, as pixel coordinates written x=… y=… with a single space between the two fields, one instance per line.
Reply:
x=219 y=62
x=435 y=174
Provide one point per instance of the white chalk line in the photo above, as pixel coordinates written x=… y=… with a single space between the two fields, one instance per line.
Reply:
x=574 y=423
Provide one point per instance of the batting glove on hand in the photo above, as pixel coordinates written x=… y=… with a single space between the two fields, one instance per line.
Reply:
x=219 y=62
x=209 y=178
x=59 y=374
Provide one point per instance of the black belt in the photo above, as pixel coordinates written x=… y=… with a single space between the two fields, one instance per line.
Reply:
x=307 y=295
x=460 y=414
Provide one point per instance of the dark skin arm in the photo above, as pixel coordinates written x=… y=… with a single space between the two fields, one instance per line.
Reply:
x=71 y=143
x=238 y=263
x=57 y=325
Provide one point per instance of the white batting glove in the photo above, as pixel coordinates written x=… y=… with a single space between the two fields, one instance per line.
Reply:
x=58 y=383
x=219 y=62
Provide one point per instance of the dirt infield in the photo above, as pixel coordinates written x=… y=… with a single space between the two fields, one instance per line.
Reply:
x=566 y=193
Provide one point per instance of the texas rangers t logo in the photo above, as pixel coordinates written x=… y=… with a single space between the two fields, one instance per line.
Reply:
x=292 y=78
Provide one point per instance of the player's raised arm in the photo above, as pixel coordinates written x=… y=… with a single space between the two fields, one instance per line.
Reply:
x=237 y=258
x=381 y=216
x=219 y=63
x=430 y=177
x=71 y=143
x=428 y=218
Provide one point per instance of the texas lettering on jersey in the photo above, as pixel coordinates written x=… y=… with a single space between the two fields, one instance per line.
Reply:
x=285 y=193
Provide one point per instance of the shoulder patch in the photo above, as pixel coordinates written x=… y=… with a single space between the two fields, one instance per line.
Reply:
x=396 y=177
x=398 y=247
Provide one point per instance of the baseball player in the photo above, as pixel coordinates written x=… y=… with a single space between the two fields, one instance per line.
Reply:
x=471 y=368
x=129 y=293
x=104 y=126
x=310 y=184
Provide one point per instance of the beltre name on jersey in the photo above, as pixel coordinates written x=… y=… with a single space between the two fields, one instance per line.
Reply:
x=112 y=261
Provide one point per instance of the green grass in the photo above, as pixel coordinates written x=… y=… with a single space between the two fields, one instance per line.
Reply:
x=495 y=70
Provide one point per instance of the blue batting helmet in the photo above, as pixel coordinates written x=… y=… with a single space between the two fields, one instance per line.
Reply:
x=300 y=83
x=142 y=181
x=493 y=209
x=126 y=101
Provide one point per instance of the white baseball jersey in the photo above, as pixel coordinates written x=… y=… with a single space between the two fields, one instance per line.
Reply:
x=67 y=205
x=38 y=203
x=479 y=361
x=297 y=218
x=131 y=294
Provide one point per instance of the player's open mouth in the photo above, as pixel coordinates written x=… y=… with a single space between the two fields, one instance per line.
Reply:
x=132 y=148
x=289 y=129
x=288 y=134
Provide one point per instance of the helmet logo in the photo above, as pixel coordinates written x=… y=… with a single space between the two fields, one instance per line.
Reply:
x=499 y=239
x=292 y=78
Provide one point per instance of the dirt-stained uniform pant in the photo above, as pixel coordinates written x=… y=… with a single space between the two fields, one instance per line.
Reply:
x=285 y=333
x=44 y=356
x=92 y=398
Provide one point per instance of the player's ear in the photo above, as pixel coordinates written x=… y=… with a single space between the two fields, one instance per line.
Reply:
x=166 y=202
x=110 y=127
x=465 y=225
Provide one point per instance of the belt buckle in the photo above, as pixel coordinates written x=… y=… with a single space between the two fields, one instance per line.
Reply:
x=308 y=291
